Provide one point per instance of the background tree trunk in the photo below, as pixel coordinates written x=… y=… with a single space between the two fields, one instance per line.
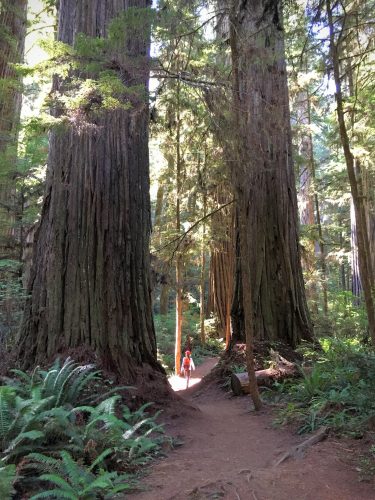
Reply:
x=355 y=180
x=12 y=43
x=223 y=261
x=90 y=282
x=202 y=284
x=356 y=280
x=263 y=174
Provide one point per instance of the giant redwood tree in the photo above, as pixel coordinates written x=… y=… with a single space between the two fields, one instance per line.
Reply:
x=273 y=289
x=90 y=279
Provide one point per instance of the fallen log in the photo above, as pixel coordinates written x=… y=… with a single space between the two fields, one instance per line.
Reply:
x=266 y=378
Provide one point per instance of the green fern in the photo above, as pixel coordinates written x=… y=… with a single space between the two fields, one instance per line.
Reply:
x=7 y=480
x=108 y=405
x=39 y=418
x=7 y=401
x=56 y=494
x=74 y=481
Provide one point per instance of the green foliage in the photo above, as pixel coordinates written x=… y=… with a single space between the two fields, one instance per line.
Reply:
x=212 y=347
x=346 y=317
x=93 y=69
x=74 y=481
x=8 y=477
x=12 y=296
x=132 y=436
x=366 y=465
x=165 y=334
x=39 y=418
x=68 y=384
x=336 y=391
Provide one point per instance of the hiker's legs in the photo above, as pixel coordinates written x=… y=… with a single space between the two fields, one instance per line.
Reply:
x=187 y=374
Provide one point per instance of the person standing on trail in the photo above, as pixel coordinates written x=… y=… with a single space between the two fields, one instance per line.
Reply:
x=187 y=366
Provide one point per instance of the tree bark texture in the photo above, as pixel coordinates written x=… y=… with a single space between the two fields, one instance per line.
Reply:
x=12 y=43
x=263 y=175
x=237 y=312
x=356 y=279
x=369 y=201
x=90 y=282
x=222 y=261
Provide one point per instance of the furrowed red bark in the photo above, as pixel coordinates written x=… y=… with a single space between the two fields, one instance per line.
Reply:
x=90 y=282
x=263 y=175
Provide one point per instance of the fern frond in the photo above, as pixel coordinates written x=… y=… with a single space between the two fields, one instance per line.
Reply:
x=63 y=395
x=118 y=488
x=7 y=479
x=7 y=400
x=108 y=405
x=31 y=435
x=39 y=406
x=83 y=378
x=100 y=458
x=106 y=394
x=130 y=432
x=48 y=382
x=104 y=481
x=25 y=377
x=58 y=481
x=75 y=473
x=44 y=463
x=109 y=421
x=55 y=493
x=63 y=374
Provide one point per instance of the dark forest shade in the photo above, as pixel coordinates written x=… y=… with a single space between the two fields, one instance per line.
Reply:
x=263 y=174
x=90 y=280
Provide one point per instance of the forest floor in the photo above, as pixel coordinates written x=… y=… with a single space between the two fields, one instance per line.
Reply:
x=229 y=452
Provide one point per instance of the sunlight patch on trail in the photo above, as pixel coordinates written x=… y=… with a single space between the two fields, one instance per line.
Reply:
x=179 y=383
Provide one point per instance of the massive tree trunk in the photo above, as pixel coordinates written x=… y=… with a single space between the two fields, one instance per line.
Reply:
x=12 y=42
x=263 y=176
x=90 y=283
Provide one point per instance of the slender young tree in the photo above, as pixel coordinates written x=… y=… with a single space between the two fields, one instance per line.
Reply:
x=89 y=285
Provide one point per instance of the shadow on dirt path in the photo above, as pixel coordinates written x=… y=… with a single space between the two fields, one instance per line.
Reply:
x=229 y=452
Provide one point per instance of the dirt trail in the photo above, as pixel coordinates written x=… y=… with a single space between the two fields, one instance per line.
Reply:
x=229 y=452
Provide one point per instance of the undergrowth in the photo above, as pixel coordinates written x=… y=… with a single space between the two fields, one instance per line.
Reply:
x=336 y=389
x=62 y=438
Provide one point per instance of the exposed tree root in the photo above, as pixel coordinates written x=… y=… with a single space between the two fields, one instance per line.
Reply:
x=298 y=451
